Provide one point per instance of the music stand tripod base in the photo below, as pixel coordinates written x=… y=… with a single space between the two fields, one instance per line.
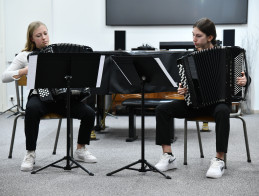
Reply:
x=65 y=67
x=68 y=158
x=67 y=167
x=144 y=163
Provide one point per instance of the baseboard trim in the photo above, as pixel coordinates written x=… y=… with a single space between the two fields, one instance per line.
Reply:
x=255 y=111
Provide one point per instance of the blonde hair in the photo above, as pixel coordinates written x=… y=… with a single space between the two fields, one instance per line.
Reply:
x=30 y=45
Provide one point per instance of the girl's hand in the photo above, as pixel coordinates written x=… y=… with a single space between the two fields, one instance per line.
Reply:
x=181 y=90
x=241 y=81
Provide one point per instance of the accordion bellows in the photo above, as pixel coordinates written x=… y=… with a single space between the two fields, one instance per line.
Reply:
x=210 y=75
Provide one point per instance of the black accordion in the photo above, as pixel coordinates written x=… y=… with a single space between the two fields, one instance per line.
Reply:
x=210 y=76
x=50 y=95
x=64 y=48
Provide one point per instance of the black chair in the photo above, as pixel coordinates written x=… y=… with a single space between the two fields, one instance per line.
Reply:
x=22 y=82
x=236 y=113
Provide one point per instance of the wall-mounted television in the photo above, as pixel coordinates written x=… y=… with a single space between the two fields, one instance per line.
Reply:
x=174 y=12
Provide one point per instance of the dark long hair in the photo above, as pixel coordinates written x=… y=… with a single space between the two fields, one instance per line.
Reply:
x=206 y=26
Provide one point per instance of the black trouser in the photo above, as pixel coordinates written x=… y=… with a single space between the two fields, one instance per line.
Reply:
x=35 y=109
x=179 y=109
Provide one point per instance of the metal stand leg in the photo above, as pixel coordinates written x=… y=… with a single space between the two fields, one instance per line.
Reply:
x=57 y=136
x=69 y=160
x=142 y=161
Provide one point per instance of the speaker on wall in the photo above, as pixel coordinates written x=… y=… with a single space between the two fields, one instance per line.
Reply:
x=120 y=40
x=229 y=37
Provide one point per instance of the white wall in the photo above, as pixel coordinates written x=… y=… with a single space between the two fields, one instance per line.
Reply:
x=17 y=15
x=2 y=56
x=83 y=22
x=250 y=41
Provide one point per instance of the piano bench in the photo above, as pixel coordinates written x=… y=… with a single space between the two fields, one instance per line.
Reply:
x=135 y=104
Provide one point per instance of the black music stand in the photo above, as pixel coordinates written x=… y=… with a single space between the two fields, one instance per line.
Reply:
x=144 y=70
x=66 y=70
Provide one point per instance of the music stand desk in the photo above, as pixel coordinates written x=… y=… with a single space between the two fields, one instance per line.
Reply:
x=66 y=70
x=144 y=70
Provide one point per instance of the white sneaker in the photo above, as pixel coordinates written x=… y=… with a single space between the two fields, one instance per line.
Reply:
x=28 y=161
x=166 y=162
x=216 y=169
x=84 y=155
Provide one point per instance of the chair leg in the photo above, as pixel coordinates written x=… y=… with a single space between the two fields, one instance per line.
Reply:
x=246 y=139
x=199 y=139
x=225 y=160
x=57 y=136
x=71 y=136
x=132 y=126
x=13 y=136
x=185 y=142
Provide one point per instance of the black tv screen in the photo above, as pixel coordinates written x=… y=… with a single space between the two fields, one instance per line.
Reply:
x=174 y=12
